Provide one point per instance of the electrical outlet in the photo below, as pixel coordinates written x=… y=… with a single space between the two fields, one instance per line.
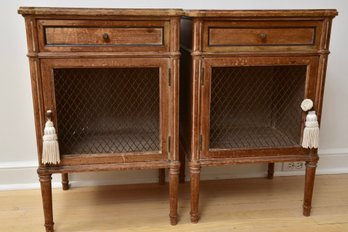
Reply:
x=293 y=166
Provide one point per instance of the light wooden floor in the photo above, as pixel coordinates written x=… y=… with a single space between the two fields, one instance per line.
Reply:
x=228 y=205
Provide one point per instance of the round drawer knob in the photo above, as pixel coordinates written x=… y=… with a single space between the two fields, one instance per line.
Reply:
x=106 y=36
x=263 y=36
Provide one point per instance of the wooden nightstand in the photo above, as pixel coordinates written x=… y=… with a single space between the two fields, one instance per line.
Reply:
x=109 y=81
x=244 y=76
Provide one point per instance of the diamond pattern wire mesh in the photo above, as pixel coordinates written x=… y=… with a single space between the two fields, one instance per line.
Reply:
x=107 y=110
x=256 y=107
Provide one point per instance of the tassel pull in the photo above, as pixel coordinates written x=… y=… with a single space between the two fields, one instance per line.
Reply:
x=50 y=149
x=311 y=131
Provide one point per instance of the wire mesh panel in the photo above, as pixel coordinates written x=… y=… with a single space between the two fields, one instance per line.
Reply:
x=107 y=110
x=256 y=107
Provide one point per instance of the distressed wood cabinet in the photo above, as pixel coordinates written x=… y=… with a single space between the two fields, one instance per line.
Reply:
x=108 y=79
x=244 y=75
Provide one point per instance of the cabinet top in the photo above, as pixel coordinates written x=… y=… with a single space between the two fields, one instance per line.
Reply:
x=46 y=11
x=55 y=11
x=262 y=13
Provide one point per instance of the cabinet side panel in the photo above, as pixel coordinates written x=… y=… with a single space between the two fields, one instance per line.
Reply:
x=186 y=101
x=186 y=33
x=34 y=64
x=174 y=86
x=322 y=66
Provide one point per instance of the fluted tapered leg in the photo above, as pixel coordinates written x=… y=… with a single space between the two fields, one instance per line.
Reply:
x=309 y=184
x=65 y=181
x=195 y=171
x=270 y=172
x=173 y=193
x=46 y=193
x=162 y=176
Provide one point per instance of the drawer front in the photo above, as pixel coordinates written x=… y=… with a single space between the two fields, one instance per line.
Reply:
x=260 y=36
x=85 y=35
x=241 y=36
x=103 y=36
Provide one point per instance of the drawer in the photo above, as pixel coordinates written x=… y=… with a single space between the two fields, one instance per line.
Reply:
x=264 y=35
x=88 y=35
x=260 y=36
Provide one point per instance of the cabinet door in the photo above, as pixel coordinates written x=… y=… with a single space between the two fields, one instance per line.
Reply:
x=251 y=105
x=108 y=110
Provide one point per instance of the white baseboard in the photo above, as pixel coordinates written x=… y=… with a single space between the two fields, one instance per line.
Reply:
x=22 y=174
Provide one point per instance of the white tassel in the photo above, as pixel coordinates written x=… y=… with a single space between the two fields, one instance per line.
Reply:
x=311 y=131
x=50 y=150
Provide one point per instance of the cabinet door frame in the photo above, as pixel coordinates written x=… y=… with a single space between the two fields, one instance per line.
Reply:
x=311 y=87
x=47 y=67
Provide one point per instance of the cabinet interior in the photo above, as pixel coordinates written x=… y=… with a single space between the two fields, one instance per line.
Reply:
x=256 y=106
x=107 y=110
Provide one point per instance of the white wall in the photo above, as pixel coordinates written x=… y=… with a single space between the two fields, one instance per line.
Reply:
x=17 y=136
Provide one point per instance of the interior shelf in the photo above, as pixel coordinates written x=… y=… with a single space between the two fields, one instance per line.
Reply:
x=251 y=137
x=115 y=142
